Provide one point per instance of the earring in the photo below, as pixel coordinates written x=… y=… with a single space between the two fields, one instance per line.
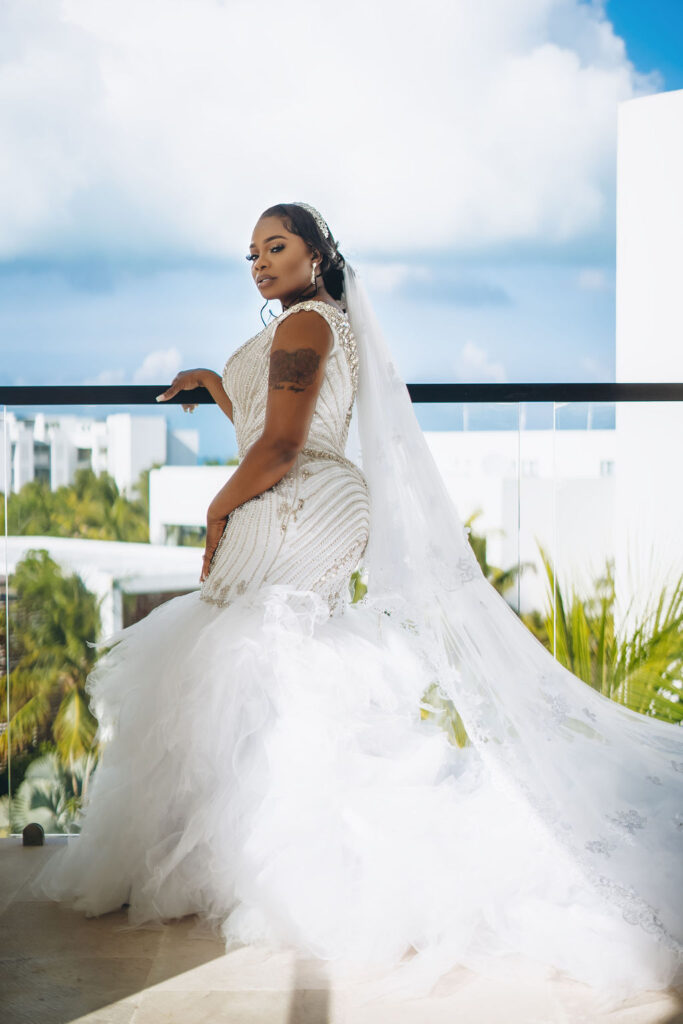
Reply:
x=313 y=277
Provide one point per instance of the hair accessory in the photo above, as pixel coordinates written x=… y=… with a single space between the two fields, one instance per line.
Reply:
x=319 y=219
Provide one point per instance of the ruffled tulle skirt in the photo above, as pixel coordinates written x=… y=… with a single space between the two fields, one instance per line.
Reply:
x=267 y=767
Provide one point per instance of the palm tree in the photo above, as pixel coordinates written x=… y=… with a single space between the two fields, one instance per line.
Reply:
x=91 y=507
x=644 y=670
x=95 y=509
x=50 y=794
x=51 y=621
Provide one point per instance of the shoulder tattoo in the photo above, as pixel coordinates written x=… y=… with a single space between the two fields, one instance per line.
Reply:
x=292 y=371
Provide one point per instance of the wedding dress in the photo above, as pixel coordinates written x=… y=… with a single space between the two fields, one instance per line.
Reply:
x=266 y=764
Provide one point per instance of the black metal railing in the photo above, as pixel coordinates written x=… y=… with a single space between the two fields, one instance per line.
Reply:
x=145 y=394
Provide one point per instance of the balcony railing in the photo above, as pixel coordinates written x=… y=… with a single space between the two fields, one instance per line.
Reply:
x=579 y=529
x=139 y=394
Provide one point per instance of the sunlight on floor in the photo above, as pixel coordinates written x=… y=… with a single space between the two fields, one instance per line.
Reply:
x=58 y=967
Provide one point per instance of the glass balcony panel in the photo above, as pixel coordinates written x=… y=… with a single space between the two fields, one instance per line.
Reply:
x=617 y=550
x=649 y=552
x=5 y=652
x=573 y=509
x=534 y=585
x=476 y=448
x=584 y=443
x=79 y=565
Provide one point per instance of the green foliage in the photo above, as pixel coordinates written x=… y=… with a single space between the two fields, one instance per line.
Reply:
x=5 y=828
x=21 y=759
x=643 y=670
x=232 y=461
x=91 y=507
x=51 y=794
x=141 y=488
x=186 y=536
x=357 y=587
x=501 y=579
x=51 y=620
x=437 y=706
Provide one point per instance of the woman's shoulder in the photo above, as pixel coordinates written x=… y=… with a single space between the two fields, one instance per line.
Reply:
x=338 y=320
x=333 y=314
x=336 y=317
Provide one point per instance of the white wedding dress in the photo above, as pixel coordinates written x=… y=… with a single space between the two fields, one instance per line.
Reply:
x=266 y=764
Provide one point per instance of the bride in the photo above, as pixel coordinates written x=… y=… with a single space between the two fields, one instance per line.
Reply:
x=265 y=763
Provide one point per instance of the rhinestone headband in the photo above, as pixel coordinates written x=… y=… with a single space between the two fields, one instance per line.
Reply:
x=319 y=219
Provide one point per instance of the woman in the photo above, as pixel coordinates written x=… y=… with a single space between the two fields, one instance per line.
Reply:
x=265 y=762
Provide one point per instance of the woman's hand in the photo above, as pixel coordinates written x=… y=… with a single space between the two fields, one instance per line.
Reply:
x=214 y=532
x=185 y=380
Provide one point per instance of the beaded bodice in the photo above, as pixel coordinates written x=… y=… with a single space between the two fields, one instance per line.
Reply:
x=245 y=379
x=308 y=531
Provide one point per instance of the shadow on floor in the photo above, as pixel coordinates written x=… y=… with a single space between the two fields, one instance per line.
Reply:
x=310 y=1005
x=57 y=965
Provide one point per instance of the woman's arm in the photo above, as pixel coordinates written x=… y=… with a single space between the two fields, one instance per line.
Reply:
x=298 y=357
x=187 y=380
x=213 y=383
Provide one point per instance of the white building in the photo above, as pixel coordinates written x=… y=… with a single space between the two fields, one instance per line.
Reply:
x=51 y=447
x=649 y=495
x=535 y=488
x=111 y=569
x=180 y=496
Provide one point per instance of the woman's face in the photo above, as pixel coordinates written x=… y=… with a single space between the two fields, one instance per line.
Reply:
x=280 y=261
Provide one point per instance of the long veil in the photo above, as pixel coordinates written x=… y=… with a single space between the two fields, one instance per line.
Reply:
x=604 y=779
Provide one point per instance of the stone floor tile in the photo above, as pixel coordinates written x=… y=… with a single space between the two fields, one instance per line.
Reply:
x=119 y=1012
x=164 y=1007
x=59 y=989
x=49 y=927
x=19 y=865
x=244 y=970
x=59 y=967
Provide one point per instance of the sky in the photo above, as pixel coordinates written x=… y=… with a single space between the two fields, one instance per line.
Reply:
x=463 y=153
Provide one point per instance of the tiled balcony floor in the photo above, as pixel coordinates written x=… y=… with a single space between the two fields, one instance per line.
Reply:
x=57 y=966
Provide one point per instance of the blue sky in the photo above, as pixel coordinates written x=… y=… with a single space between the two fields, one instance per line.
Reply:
x=653 y=34
x=471 y=178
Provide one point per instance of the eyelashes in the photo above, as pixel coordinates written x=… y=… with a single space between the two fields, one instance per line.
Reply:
x=275 y=248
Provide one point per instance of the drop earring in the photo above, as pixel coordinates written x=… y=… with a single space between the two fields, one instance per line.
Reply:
x=313 y=280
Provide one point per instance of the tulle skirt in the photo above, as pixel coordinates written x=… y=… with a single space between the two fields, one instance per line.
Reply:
x=267 y=767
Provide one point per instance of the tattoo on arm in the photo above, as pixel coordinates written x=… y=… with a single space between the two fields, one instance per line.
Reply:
x=292 y=371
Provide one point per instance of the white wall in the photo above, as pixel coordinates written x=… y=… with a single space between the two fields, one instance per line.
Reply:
x=649 y=340
x=135 y=443
x=560 y=498
x=180 y=496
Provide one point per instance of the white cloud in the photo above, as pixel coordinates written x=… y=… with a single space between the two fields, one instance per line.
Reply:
x=163 y=127
x=593 y=279
x=592 y=366
x=389 y=277
x=475 y=364
x=156 y=368
x=107 y=377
